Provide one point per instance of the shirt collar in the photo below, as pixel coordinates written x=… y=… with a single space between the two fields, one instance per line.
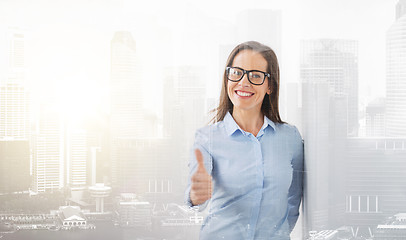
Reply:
x=231 y=126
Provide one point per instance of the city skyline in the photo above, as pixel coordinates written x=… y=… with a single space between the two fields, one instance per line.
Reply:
x=116 y=101
x=159 y=36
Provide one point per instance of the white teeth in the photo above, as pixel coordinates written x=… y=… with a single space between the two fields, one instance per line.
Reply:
x=243 y=94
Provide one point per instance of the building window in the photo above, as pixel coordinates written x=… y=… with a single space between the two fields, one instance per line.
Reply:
x=362 y=204
x=159 y=186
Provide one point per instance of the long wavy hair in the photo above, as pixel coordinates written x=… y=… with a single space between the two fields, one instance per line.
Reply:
x=270 y=103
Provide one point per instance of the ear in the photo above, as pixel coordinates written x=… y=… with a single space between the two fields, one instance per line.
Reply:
x=269 y=91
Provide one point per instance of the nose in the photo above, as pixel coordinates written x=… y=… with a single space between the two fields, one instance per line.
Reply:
x=244 y=81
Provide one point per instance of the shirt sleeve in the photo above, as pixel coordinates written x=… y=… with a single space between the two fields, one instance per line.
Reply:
x=296 y=188
x=201 y=143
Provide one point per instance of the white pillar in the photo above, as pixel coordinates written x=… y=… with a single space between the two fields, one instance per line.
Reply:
x=97 y=204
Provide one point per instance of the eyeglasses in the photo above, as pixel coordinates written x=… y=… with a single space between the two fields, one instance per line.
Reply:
x=255 y=77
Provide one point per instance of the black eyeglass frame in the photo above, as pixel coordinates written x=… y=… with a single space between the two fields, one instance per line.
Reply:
x=248 y=76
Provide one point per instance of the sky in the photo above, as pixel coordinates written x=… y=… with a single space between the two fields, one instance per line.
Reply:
x=68 y=42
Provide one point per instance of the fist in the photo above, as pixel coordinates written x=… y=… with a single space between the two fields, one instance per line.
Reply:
x=201 y=183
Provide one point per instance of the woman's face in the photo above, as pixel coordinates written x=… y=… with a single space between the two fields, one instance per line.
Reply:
x=244 y=95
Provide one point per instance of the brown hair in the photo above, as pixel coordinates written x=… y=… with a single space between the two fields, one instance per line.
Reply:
x=270 y=103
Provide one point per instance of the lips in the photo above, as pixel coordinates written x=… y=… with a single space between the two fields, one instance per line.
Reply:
x=243 y=93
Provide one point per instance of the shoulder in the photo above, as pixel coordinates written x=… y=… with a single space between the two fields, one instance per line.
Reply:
x=288 y=130
x=204 y=134
x=294 y=140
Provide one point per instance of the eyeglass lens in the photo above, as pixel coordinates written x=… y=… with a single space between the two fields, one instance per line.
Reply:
x=255 y=77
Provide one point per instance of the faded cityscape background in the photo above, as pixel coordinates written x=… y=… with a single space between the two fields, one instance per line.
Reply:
x=99 y=102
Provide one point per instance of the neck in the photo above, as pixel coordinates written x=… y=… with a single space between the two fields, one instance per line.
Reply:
x=249 y=121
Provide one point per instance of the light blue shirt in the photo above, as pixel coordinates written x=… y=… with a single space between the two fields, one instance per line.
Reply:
x=257 y=180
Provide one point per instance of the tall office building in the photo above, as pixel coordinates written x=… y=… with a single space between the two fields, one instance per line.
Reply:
x=395 y=74
x=329 y=103
x=126 y=90
x=14 y=111
x=77 y=155
x=97 y=130
x=335 y=62
x=317 y=137
x=14 y=114
x=127 y=115
x=14 y=96
x=184 y=91
x=184 y=111
x=49 y=160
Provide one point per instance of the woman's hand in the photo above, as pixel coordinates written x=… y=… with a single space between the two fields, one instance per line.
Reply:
x=201 y=183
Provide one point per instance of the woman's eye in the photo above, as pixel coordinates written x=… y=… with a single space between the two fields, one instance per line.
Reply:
x=235 y=72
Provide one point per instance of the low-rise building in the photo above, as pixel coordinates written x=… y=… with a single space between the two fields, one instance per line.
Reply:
x=134 y=213
x=393 y=228
x=72 y=216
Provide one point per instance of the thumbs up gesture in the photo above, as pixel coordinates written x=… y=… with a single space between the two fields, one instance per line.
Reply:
x=201 y=183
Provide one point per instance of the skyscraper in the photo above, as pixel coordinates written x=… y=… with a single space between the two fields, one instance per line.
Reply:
x=329 y=75
x=184 y=111
x=77 y=158
x=316 y=136
x=184 y=104
x=14 y=111
x=126 y=89
x=127 y=115
x=335 y=62
x=395 y=74
x=14 y=96
x=49 y=160
x=14 y=114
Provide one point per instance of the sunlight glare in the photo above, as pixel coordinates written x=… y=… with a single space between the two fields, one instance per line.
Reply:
x=78 y=99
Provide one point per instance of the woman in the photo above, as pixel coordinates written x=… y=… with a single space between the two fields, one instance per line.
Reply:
x=249 y=163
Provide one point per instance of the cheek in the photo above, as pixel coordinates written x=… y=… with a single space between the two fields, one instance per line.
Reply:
x=230 y=88
x=261 y=95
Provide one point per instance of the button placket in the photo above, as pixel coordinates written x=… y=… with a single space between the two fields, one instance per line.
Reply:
x=259 y=182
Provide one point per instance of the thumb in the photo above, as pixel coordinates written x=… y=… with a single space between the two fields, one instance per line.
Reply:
x=200 y=161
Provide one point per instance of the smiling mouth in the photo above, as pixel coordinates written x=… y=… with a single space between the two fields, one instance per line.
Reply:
x=243 y=94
